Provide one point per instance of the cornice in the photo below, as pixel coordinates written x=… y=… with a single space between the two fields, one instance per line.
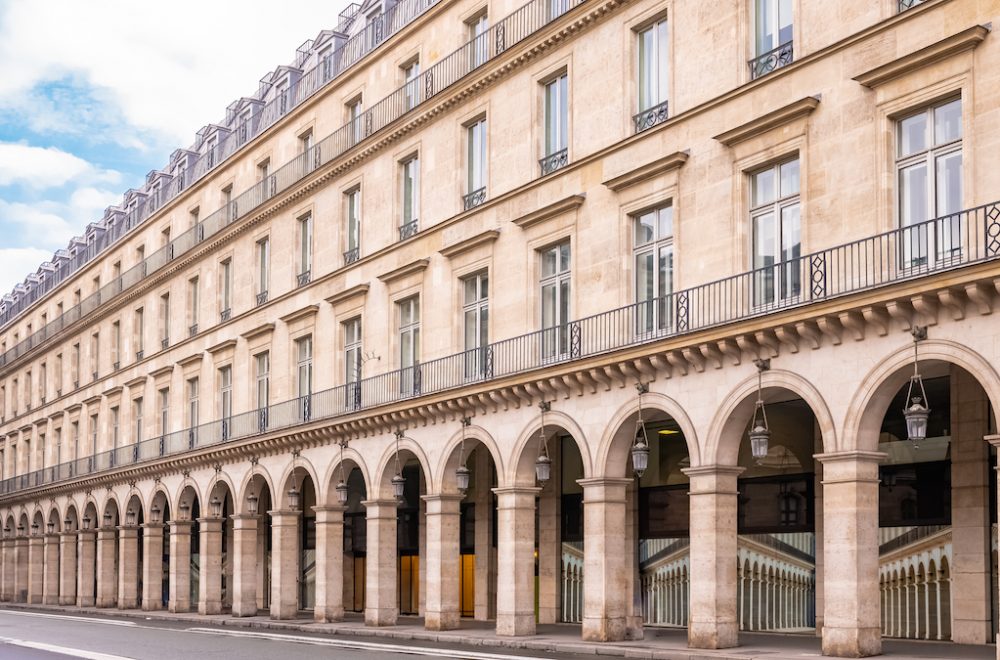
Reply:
x=258 y=331
x=138 y=380
x=645 y=172
x=222 y=346
x=774 y=119
x=191 y=359
x=356 y=291
x=113 y=391
x=416 y=266
x=466 y=244
x=76 y=407
x=957 y=43
x=550 y=211
x=308 y=311
x=91 y=400
x=162 y=371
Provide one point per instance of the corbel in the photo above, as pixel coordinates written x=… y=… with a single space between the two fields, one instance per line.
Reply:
x=980 y=296
x=615 y=376
x=598 y=375
x=677 y=360
x=854 y=323
x=729 y=348
x=901 y=311
x=586 y=381
x=768 y=339
x=659 y=362
x=926 y=306
x=809 y=331
x=694 y=358
x=788 y=337
x=749 y=346
x=953 y=300
x=877 y=318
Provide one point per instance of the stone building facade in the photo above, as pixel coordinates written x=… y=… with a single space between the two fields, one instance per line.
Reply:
x=481 y=239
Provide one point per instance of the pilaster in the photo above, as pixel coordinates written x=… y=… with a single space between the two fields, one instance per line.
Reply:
x=210 y=576
x=50 y=574
x=516 y=560
x=107 y=578
x=244 y=565
x=152 y=566
x=180 y=566
x=442 y=562
x=36 y=569
x=128 y=568
x=86 y=592
x=329 y=563
x=284 y=564
x=67 y=568
x=605 y=582
x=381 y=580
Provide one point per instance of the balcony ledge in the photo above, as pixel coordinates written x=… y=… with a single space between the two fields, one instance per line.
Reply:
x=965 y=40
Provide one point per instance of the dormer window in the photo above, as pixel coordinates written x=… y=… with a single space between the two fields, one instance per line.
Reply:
x=326 y=63
x=282 y=96
x=245 y=125
x=210 y=149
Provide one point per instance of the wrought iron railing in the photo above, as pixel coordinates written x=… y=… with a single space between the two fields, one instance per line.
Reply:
x=473 y=199
x=303 y=278
x=908 y=253
x=553 y=161
x=903 y=5
x=650 y=117
x=261 y=297
x=351 y=256
x=515 y=27
x=408 y=229
x=771 y=60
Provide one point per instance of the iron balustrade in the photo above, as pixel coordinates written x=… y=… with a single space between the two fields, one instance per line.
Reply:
x=225 y=315
x=262 y=117
x=408 y=229
x=261 y=298
x=907 y=253
x=351 y=256
x=473 y=199
x=303 y=278
x=554 y=161
x=650 y=117
x=515 y=27
x=773 y=59
x=903 y=5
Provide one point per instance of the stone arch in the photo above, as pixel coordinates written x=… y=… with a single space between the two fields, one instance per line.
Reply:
x=258 y=476
x=382 y=487
x=134 y=502
x=474 y=436
x=521 y=470
x=38 y=521
x=161 y=498
x=111 y=507
x=351 y=459
x=725 y=433
x=55 y=518
x=187 y=494
x=221 y=483
x=300 y=465
x=877 y=389
x=613 y=450
x=72 y=516
x=90 y=512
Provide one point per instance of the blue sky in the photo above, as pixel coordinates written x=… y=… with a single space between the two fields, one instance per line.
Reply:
x=94 y=94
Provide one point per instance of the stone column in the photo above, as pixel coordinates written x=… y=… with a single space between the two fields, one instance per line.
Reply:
x=443 y=562
x=128 y=568
x=713 y=502
x=550 y=568
x=86 y=556
x=50 y=577
x=516 y=560
x=605 y=583
x=329 y=563
x=180 y=566
x=36 y=569
x=284 y=564
x=485 y=553
x=850 y=554
x=7 y=581
x=381 y=579
x=21 y=553
x=67 y=568
x=107 y=578
x=210 y=578
x=152 y=566
x=633 y=580
x=244 y=565
x=995 y=441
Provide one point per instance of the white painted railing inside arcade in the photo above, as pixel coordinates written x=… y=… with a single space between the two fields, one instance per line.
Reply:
x=903 y=254
x=477 y=52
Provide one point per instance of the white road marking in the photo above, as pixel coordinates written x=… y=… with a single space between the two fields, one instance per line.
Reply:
x=82 y=619
x=63 y=650
x=366 y=646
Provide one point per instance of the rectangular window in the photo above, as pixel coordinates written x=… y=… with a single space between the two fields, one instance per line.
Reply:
x=410 y=173
x=354 y=120
x=556 y=124
x=263 y=169
x=225 y=289
x=306 y=141
x=164 y=320
x=479 y=48
x=194 y=301
x=95 y=353
x=776 y=233
x=192 y=408
x=772 y=20
x=93 y=434
x=304 y=352
x=929 y=183
x=305 y=249
x=475 y=321
x=29 y=396
x=43 y=381
x=75 y=440
x=262 y=364
x=475 y=184
x=164 y=411
x=653 y=235
x=353 y=201
x=263 y=269
x=137 y=419
x=653 y=54
x=139 y=332
x=226 y=399
x=555 y=299
x=75 y=366
x=352 y=362
x=409 y=343
x=115 y=419
x=411 y=84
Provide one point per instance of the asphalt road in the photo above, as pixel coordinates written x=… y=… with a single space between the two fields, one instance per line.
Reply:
x=38 y=636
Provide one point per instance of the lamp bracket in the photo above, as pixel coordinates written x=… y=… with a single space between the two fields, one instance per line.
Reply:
x=545 y=406
x=254 y=459
x=131 y=483
x=466 y=421
x=187 y=474
x=919 y=332
x=762 y=364
x=642 y=388
x=296 y=453
x=398 y=433
x=217 y=467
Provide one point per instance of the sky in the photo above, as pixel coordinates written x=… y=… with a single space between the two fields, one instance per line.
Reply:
x=96 y=93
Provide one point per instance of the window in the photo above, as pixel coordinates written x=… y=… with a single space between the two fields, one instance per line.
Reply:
x=306 y=141
x=137 y=418
x=410 y=172
x=226 y=399
x=75 y=366
x=263 y=267
x=139 y=330
x=95 y=353
x=210 y=151
x=28 y=394
x=43 y=381
x=409 y=344
x=772 y=20
x=165 y=320
x=192 y=409
x=929 y=181
x=352 y=361
x=354 y=120
x=245 y=127
x=263 y=169
x=326 y=62
x=262 y=364
x=556 y=124
x=776 y=233
x=411 y=84
x=305 y=249
x=653 y=233
x=93 y=434
x=653 y=69
x=15 y=396
x=304 y=351
x=281 y=93
x=164 y=411
x=479 y=48
x=225 y=289
x=475 y=186
x=353 y=201
x=193 y=303
x=74 y=437
x=475 y=321
x=555 y=297
x=115 y=419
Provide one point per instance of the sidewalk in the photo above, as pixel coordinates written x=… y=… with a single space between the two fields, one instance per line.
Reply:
x=659 y=643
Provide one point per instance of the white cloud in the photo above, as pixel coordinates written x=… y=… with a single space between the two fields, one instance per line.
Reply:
x=15 y=263
x=46 y=167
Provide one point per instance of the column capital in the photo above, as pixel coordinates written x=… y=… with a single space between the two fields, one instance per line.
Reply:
x=329 y=515
x=205 y=523
x=604 y=489
x=330 y=507
x=152 y=527
x=443 y=497
x=284 y=517
x=993 y=440
x=245 y=516
x=517 y=490
x=850 y=466
x=714 y=470
x=180 y=526
x=859 y=455
x=128 y=528
x=85 y=534
x=68 y=535
x=51 y=537
x=380 y=508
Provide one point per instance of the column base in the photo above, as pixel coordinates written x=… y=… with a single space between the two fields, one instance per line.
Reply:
x=376 y=617
x=713 y=635
x=128 y=604
x=179 y=608
x=328 y=614
x=634 y=630
x=279 y=613
x=515 y=625
x=50 y=600
x=249 y=610
x=87 y=601
x=604 y=629
x=442 y=620
x=852 y=642
x=68 y=600
x=213 y=607
x=106 y=602
x=35 y=599
x=152 y=606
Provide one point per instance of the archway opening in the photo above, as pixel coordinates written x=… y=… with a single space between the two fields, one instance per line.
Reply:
x=259 y=493
x=355 y=540
x=134 y=518
x=162 y=509
x=410 y=534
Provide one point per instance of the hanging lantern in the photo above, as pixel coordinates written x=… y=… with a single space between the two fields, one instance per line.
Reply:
x=154 y=514
x=917 y=412
x=20 y=529
x=252 y=503
x=640 y=447
x=86 y=523
x=216 y=504
x=462 y=474
x=185 y=511
x=130 y=517
x=51 y=527
x=398 y=480
x=760 y=434
x=67 y=523
x=341 y=492
x=6 y=531
x=107 y=519
x=34 y=529
x=543 y=464
x=293 y=498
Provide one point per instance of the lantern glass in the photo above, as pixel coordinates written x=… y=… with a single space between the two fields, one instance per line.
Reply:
x=34 y=529
x=640 y=456
x=252 y=504
x=107 y=518
x=20 y=530
x=916 y=420
x=759 y=437
x=216 y=506
x=462 y=476
x=66 y=524
x=185 y=510
x=342 y=492
x=154 y=513
x=86 y=522
x=543 y=468
x=51 y=527
x=293 y=498
x=398 y=484
x=130 y=517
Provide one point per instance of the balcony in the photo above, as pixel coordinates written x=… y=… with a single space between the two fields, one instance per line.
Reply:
x=138 y=355
x=225 y=315
x=351 y=256
x=903 y=5
x=408 y=229
x=771 y=61
x=474 y=199
x=906 y=254
x=165 y=343
x=192 y=330
x=303 y=278
x=261 y=298
x=554 y=161
x=650 y=117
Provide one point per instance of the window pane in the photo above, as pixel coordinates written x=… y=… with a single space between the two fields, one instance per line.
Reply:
x=644 y=228
x=645 y=69
x=484 y=286
x=564 y=257
x=666 y=271
x=948 y=122
x=790 y=178
x=913 y=134
x=644 y=277
x=762 y=187
x=764 y=248
x=563 y=301
x=949 y=183
x=913 y=194
x=471 y=329
x=784 y=22
x=549 y=262
x=764 y=23
x=666 y=221
x=548 y=305
x=469 y=284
